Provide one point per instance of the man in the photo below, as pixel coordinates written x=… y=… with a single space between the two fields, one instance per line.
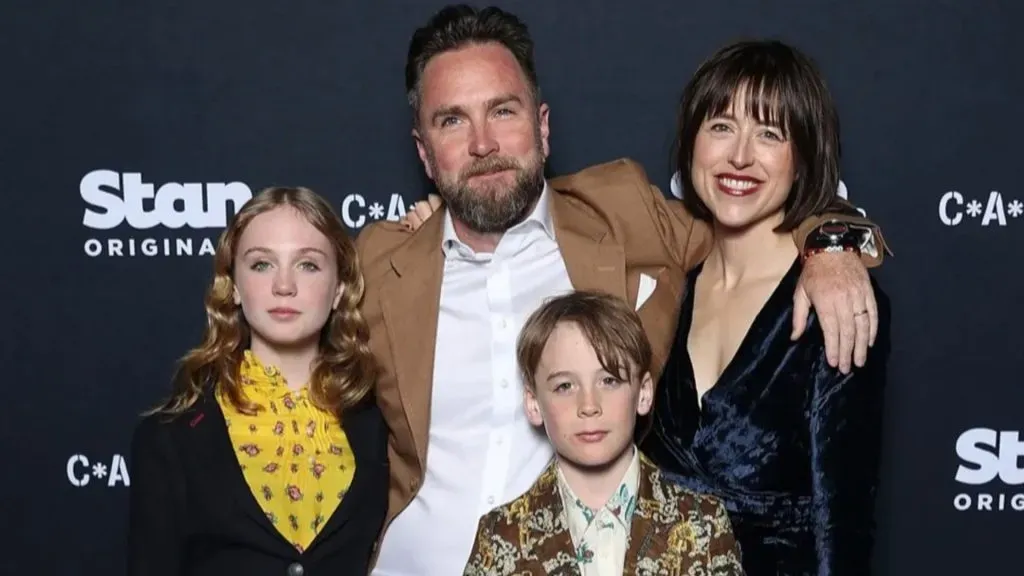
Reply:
x=445 y=304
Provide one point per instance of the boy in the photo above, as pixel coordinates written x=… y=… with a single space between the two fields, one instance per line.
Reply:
x=601 y=507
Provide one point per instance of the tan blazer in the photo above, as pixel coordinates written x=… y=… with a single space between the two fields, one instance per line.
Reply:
x=611 y=224
x=673 y=531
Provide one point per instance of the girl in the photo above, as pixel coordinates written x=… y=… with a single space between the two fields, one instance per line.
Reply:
x=270 y=455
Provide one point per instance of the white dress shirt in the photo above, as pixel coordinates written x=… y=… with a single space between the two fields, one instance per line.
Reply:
x=602 y=536
x=482 y=452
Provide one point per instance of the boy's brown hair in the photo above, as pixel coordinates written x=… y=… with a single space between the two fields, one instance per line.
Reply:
x=608 y=323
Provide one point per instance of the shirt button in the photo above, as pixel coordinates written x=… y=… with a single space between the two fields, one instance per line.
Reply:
x=490 y=499
x=501 y=323
x=504 y=383
x=295 y=569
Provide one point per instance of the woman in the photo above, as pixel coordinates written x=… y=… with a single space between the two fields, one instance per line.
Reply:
x=270 y=455
x=789 y=444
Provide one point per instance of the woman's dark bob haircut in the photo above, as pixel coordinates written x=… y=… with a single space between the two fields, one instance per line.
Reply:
x=781 y=87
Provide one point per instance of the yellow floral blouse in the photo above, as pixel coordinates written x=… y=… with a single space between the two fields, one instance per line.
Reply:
x=295 y=457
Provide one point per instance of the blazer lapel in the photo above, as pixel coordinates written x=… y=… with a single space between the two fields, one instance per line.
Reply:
x=206 y=427
x=546 y=540
x=360 y=438
x=648 y=537
x=594 y=261
x=410 y=303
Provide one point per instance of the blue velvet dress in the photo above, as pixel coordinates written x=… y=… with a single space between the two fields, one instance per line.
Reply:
x=789 y=444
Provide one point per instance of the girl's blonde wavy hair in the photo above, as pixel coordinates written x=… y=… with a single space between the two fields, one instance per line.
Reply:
x=344 y=372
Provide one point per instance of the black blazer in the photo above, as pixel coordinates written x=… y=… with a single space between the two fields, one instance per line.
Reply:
x=191 y=512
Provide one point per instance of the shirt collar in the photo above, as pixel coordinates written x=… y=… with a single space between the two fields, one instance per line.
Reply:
x=621 y=505
x=539 y=218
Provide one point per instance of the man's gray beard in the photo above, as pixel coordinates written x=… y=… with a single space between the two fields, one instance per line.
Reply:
x=491 y=213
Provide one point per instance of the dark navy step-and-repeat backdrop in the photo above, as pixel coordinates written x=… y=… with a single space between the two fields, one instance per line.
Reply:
x=132 y=130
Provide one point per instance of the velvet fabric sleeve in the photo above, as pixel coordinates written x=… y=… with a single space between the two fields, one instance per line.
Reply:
x=845 y=440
